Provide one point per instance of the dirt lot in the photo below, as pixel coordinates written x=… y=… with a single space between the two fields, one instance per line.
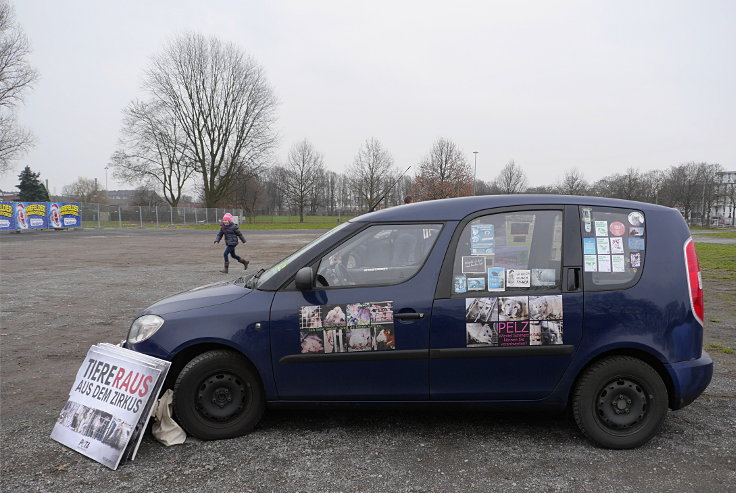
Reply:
x=64 y=291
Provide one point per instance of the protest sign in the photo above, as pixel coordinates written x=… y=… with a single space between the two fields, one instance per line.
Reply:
x=110 y=404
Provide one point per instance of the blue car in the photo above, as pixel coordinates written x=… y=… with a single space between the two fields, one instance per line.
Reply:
x=553 y=302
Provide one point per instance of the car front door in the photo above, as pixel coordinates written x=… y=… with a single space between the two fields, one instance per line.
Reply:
x=508 y=312
x=362 y=332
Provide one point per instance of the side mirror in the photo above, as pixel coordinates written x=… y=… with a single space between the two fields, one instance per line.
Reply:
x=304 y=279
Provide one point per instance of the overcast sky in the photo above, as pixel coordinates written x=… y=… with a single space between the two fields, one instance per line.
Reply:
x=601 y=86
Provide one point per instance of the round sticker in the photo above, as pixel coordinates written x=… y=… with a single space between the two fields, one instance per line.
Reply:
x=636 y=218
x=617 y=228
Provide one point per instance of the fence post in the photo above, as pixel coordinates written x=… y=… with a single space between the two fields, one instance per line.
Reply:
x=185 y=215
x=215 y=214
x=171 y=212
x=120 y=217
x=195 y=216
x=206 y=220
x=98 y=216
x=157 y=216
x=140 y=214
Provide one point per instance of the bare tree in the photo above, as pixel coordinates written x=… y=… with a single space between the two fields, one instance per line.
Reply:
x=443 y=173
x=16 y=75
x=371 y=174
x=85 y=190
x=512 y=179
x=304 y=168
x=146 y=196
x=572 y=183
x=152 y=149
x=222 y=105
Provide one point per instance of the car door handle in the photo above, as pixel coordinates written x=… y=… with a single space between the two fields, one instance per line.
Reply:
x=573 y=278
x=408 y=316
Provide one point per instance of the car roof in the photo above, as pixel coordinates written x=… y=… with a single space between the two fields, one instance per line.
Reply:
x=457 y=208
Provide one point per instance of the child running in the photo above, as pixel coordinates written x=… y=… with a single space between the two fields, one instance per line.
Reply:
x=231 y=232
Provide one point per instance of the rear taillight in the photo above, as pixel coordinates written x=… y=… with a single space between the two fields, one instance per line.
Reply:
x=694 y=280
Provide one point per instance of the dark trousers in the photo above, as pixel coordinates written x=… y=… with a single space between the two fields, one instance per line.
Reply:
x=230 y=250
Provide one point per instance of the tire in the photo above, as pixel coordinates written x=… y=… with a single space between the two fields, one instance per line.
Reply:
x=620 y=402
x=218 y=395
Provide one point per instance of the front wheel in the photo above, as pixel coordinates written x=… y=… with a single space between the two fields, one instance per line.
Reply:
x=620 y=402
x=217 y=395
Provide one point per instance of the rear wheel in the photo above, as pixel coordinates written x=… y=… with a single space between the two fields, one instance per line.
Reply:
x=217 y=395
x=620 y=402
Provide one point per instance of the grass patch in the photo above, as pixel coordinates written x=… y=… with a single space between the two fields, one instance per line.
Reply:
x=725 y=234
x=720 y=348
x=717 y=261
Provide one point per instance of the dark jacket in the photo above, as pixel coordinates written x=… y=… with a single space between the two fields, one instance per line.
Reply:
x=231 y=232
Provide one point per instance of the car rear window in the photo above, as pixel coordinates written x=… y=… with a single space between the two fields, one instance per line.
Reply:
x=614 y=246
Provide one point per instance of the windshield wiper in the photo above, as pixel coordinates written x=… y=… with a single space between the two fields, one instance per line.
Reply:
x=252 y=281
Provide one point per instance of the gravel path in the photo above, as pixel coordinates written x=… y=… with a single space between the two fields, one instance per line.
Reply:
x=59 y=297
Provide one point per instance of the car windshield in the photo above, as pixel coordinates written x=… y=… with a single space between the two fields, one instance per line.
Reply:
x=271 y=271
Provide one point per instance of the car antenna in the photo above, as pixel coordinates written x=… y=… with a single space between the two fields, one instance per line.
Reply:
x=380 y=199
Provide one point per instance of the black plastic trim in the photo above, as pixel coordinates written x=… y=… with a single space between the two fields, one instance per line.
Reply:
x=361 y=356
x=501 y=352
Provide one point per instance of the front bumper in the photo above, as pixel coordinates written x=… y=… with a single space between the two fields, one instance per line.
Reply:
x=689 y=379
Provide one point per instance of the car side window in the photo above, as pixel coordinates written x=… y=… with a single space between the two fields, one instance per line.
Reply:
x=518 y=251
x=383 y=254
x=613 y=246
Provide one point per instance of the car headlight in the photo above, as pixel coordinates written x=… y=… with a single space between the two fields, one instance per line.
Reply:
x=144 y=327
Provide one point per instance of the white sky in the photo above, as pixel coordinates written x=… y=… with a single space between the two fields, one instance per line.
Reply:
x=601 y=86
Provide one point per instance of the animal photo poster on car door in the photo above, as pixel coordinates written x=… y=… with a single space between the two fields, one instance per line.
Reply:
x=345 y=328
x=513 y=321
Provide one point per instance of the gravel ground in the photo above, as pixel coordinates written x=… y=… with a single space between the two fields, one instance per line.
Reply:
x=62 y=292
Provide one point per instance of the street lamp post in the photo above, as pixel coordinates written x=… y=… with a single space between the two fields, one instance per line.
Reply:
x=105 y=178
x=475 y=171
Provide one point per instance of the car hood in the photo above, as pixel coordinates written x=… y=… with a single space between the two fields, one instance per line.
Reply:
x=199 y=297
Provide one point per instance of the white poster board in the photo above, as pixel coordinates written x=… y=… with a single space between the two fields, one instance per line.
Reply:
x=110 y=403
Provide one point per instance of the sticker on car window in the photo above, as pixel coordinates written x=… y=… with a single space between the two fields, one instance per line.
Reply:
x=636 y=218
x=496 y=279
x=459 y=284
x=518 y=278
x=347 y=327
x=513 y=321
x=474 y=264
x=617 y=263
x=589 y=246
x=476 y=284
x=604 y=263
x=636 y=259
x=617 y=245
x=544 y=277
x=636 y=243
x=482 y=239
x=603 y=246
x=601 y=228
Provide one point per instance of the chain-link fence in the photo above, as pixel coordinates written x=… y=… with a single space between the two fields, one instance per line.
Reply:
x=134 y=216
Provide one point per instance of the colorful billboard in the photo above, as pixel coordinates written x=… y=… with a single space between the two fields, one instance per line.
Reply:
x=31 y=215
x=7 y=216
x=38 y=215
x=64 y=215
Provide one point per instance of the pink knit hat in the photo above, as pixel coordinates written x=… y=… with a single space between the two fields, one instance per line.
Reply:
x=227 y=217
